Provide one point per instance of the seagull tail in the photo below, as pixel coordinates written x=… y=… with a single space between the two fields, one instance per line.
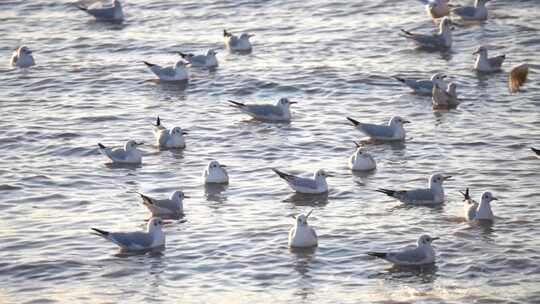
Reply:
x=149 y=64
x=226 y=34
x=466 y=195
x=381 y=255
x=399 y=79
x=146 y=200
x=283 y=175
x=158 y=122
x=100 y=232
x=101 y=146
x=407 y=33
x=387 y=192
x=183 y=55
x=537 y=151
x=236 y=104
x=354 y=121
x=82 y=8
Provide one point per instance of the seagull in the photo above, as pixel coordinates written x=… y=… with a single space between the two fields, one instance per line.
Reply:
x=201 y=61
x=536 y=151
x=421 y=255
x=165 y=207
x=169 y=138
x=361 y=160
x=315 y=185
x=437 y=8
x=469 y=207
x=445 y=98
x=440 y=40
x=484 y=213
x=105 y=12
x=423 y=86
x=301 y=234
x=478 y=12
x=127 y=155
x=433 y=195
x=215 y=173
x=153 y=238
x=266 y=112
x=22 y=57
x=393 y=131
x=487 y=65
x=235 y=44
x=177 y=72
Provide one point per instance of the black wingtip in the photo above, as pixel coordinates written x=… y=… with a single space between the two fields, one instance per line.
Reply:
x=236 y=103
x=279 y=173
x=101 y=146
x=381 y=255
x=466 y=195
x=82 y=8
x=145 y=198
x=399 y=79
x=537 y=151
x=158 y=122
x=226 y=34
x=407 y=32
x=149 y=64
x=102 y=232
x=354 y=121
x=387 y=191
x=183 y=55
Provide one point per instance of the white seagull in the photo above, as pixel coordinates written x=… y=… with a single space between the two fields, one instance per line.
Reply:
x=484 y=212
x=22 y=57
x=153 y=238
x=127 y=155
x=169 y=138
x=266 y=112
x=421 y=255
x=361 y=160
x=104 y=11
x=478 y=12
x=433 y=195
x=201 y=61
x=301 y=235
x=422 y=86
x=437 y=8
x=215 y=173
x=485 y=64
x=178 y=72
x=445 y=98
x=315 y=185
x=169 y=207
x=237 y=44
x=393 y=131
x=440 y=40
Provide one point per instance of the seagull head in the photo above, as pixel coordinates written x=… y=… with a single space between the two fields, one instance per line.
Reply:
x=482 y=51
x=487 y=197
x=322 y=174
x=177 y=131
x=131 y=144
x=438 y=179
x=178 y=196
x=398 y=121
x=23 y=51
x=155 y=224
x=438 y=78
x=301 y=220
x=426 y=240
x=246 y=36
x=215 y=165
x=211 y=52
x=116 y=3
x=180 y=64
x=285 y=102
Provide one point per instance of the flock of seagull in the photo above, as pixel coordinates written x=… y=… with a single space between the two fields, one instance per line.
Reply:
x=301 y=235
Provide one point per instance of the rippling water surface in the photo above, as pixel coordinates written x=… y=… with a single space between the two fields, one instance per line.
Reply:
x=335 y=59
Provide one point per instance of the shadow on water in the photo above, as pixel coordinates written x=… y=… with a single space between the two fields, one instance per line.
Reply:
x=300 y=199
x=425 y=273
x=123 y=166
x=439 y=208
x=153 y=252
x=214 y=193
x=303 y=258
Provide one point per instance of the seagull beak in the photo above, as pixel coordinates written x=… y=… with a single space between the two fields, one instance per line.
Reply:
x=443 y=76
x=435 y=238
x=223 y=166
x=309 y=213
x=475 y=52
x=139 y=143
x=447 y=177
x=251 y=35
x=329 y=175
x=186 y=196
x=184 y=133
x=406 y=121
x=293 y=102
x=494 y=199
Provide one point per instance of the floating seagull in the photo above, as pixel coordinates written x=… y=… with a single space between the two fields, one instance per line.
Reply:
x=104 y=11
x=536 y=151
x=165 y=138
x=266 y=112
x=201 y=61
x=487 y=65
x=235 y=44
x=437 y=8
x=440 y=40
x=469 y=207
x=421 y=255
x=169 y=207
x=215 y=173
x=315 y=185
x=393 y=131
x=484 y=213
x=153 y=238
x=478 y=12
x=433 y=195
x=445 y=98
x=361 y=160
x=127 y=155
x=177 y=72
x=301 y=234
x=22 y=57
x=423 y=86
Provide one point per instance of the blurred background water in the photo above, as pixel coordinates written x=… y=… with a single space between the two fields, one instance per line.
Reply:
x=335 y=59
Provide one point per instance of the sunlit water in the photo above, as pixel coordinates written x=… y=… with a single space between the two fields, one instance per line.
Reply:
x=335 y=59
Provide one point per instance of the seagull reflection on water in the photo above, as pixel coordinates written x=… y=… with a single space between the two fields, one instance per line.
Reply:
x=300 y=199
